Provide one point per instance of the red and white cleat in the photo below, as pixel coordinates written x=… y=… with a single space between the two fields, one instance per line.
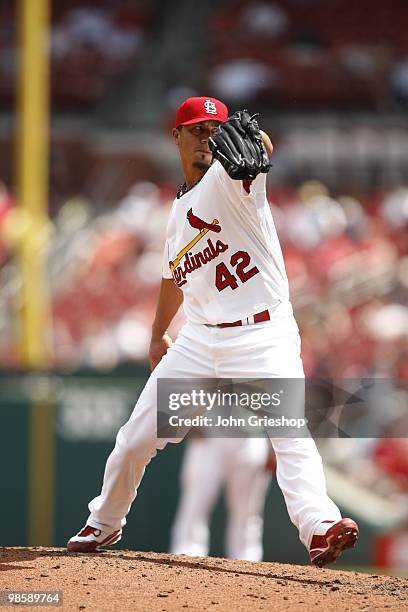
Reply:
x=328 y=545
x=89 y=539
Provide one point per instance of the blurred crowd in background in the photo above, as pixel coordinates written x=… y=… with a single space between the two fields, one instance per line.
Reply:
x=91 y=45
x=339 y=195
x=295 y=53
x=285 y=54
x=346 y=260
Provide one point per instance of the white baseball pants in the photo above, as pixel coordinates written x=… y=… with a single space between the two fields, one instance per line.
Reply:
x=208 y=464
x=263 y=350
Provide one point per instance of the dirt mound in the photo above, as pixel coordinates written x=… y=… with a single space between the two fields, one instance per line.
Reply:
x=149 y=582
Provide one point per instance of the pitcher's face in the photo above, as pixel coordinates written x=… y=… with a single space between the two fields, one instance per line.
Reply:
x=192 y=141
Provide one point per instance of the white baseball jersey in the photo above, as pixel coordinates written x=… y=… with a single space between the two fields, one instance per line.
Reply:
x=223 y=251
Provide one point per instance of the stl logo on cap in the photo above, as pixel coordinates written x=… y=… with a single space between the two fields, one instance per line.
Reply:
x=210 y=107
x=196 y=109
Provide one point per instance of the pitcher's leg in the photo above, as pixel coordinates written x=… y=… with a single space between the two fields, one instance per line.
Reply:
x=201 y=479
x=300 y=476
x=275 y=353
x=137 y=442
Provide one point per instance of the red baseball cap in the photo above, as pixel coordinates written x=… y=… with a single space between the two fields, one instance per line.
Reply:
x=194 y=110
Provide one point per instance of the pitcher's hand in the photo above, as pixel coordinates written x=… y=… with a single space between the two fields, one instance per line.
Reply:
x=158 y=348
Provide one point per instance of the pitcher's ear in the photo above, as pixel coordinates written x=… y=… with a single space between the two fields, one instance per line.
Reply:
x=176 y=132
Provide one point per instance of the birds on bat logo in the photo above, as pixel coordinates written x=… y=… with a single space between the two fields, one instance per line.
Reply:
x=200 y=224
x=187 y=261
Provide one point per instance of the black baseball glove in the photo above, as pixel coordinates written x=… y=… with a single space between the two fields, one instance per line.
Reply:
x=237 y=144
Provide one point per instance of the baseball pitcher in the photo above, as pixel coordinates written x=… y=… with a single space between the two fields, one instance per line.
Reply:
x=223 y=261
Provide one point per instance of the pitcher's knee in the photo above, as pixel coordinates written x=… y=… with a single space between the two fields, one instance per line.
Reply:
x=138 y=447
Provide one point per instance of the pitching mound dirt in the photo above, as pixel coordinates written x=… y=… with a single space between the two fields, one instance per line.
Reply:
x=150 y=582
